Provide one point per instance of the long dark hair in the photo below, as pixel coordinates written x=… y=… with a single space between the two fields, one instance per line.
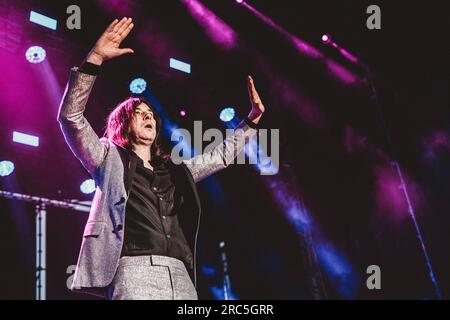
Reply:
x=118 y=124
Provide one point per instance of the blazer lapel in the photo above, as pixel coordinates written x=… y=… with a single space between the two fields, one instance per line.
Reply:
x=129 y=162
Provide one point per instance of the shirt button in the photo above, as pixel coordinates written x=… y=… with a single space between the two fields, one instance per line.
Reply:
x=164 y=217
x=168 y=236
x=160 y=198
x=155 y=188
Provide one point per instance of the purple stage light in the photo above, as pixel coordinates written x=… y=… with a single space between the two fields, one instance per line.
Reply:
x=326 y=38
x=341 y=73
x=239 y=1
x=389 y=196
x=217 y=30
x=348 y=55
x=182 y=113
x=436 y=144
x=302 y=46
x=35 y=54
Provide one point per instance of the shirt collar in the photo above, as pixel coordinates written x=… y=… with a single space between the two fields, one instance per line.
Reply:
x=159 y=167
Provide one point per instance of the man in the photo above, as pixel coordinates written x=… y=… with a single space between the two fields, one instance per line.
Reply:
x=141 y=235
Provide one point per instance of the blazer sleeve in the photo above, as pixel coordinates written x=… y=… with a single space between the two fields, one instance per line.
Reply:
x=78 y=133
x=206 y=164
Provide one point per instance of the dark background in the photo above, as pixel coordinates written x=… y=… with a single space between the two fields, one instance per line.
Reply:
x=333 y=151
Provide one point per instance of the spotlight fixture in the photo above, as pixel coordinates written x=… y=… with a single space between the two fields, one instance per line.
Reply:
x=6 y=168
x=88 y=186
x=326 y=38
x=227 y=114
x=35 y=54
x=138 y=85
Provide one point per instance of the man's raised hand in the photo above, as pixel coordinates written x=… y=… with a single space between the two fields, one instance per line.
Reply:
x=107 y=46
x=255 y=102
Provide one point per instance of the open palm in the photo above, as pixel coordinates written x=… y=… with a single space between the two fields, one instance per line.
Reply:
x=108 y=45
x=255 y=100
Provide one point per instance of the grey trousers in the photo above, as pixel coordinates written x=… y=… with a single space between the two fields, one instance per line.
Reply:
x=151 y=278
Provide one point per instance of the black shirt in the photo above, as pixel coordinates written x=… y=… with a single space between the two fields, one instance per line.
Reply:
x=151 y=221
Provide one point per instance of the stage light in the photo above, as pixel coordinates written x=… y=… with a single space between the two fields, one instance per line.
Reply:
x=88 y=186
x=326 y=38
x=217 y=30
x=180 y=65
x=25 y=139
x=138 y=85
x=6 y=168
x=239 y=1
x=182 y=113
x=35 y=54
x=227 y=114
x=43 y=20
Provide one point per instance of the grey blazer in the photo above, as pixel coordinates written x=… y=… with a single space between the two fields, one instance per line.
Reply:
x=103 y=235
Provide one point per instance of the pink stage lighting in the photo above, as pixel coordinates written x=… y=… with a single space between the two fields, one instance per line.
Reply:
x=326 y=38
x=216 y=29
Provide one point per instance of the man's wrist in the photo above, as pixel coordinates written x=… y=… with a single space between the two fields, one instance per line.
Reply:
x=254 y=116
x=251 y=122
x=94 y=58
x=89 y=68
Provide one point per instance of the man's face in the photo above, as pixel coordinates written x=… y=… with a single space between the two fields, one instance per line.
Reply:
x=143 y=125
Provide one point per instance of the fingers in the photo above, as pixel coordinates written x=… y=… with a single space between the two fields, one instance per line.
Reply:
x=251 y=84
x=252 y=90
x=122 y=29
x=124 y=26
x=126 y=32
x=119 y=24
x=112 y=25
x=125 y=51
